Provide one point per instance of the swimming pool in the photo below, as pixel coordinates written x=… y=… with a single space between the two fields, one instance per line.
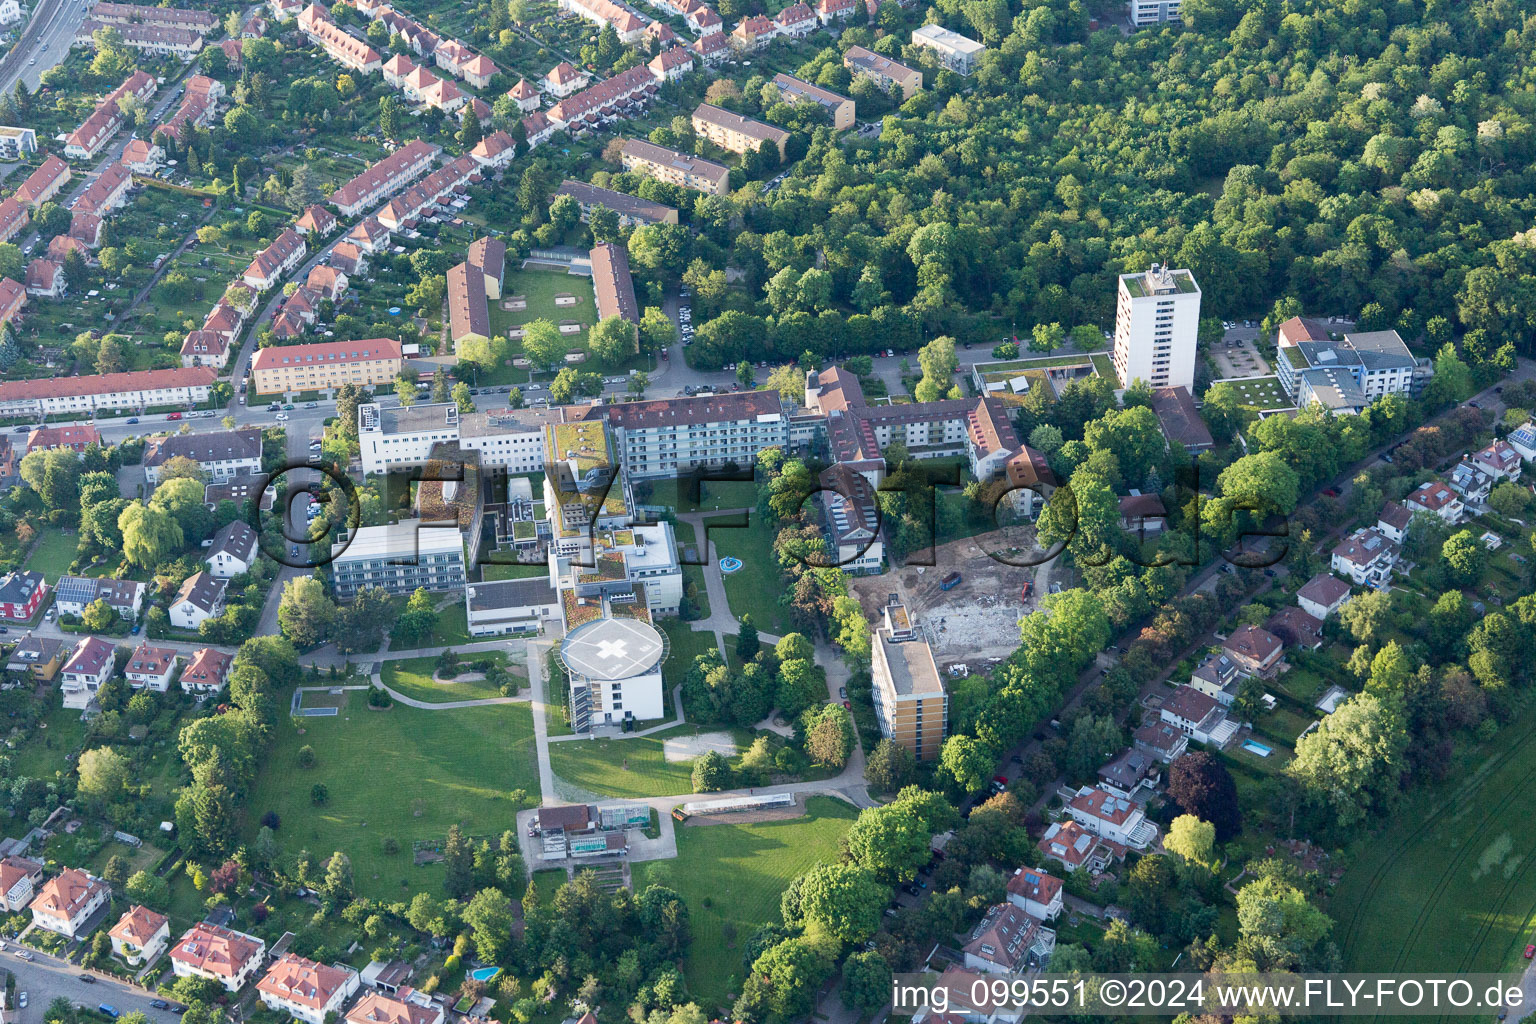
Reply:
x=1257 y=748
x=729 y=565
x=484 y=973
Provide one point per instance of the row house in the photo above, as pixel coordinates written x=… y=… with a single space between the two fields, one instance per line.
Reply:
x=627 y=23
x=422 y=40
x=87 y=140
x=632 y=210
x=45 y=182
x=421 y=198
x=136 y=390
x=156 y=40
x=538 y=129
x=385 y=178
x=267 y=269
x=342 y=47
x=107 y=193
x=605 y=99
x=13 y=218
x=167 y=17
x=13 y=298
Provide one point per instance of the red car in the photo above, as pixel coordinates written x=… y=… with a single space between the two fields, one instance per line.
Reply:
x=173 y=415
x=1331 y=493
x=1530 y=951
x=847 y=705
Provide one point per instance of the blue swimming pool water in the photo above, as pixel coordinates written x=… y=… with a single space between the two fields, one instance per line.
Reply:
x=1257 y=748
x=484 y=973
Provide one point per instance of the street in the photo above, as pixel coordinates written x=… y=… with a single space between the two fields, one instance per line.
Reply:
x=45 y=978
x=44 y=43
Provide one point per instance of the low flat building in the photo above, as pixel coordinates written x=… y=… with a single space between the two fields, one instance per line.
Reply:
x=469 y=316
x=400 y=558
x=518 y=607
x=1181 y=422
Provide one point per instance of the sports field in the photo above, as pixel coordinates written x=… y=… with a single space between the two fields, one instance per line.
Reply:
x=403 y=774
x=743 y=870
x=1450 y=887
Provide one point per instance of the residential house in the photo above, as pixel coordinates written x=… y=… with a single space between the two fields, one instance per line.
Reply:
x=1365 y=557
x=1471 y=483
x=672 y=63
x=632 y=210
x=1435 y=498
x=711 y=48
x=612 y=284
x=676 y=168
x=1296 y=628
x=291 y=369
x=39 y=656
x=494 y=151
x=207 y=672
x=1161 y=740
x=151 y=668
x=143 y=156
x=348 y=259
x=735 y=132
x=829 y=11
x=1112 y=817
x=1128 y=772
x=752 y=33
x=562 y=80
x=1392 y=521
x=1142 y=514
x=85 y=228
x=315 y=220
x=306 y=990
x=383 y=179
x=469 y=317
x=226 y=957
x=1217 y=676
x=624 y=93
x=73 y=593
x=68 y=903
x=406 y=1006
x=200 y=598
x=524 y=95
x=1036 y=893
x=795 y=21
x=140 y=935
x=1199 y=716
x=1007 y=941
x=45 y=279
x=267 y=269
x=1499 y=460
x=344 y=48
x=1323 y=595
x=13 y=218
x=1522 y=439
x=19 y=881
x=955 y=51
x=204 y=348
x=626 y=22
x=839 y=108
x=78 y=396
x=21 y=591
x=87 y=671
x=1073 y=847
x=220 y=455
x=1256 y=651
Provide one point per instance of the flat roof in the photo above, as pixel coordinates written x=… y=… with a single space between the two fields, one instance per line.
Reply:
x=613 y=649
x=911 y=667
x=400 y=540
x=417 y=417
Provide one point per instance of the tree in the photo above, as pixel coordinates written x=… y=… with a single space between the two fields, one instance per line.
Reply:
x=406 y=389
x=657 y=331
x=149 y=889
x=711 y=773
x=829 y=736
x=891 y=841
x=109 y=357
x=969 y=761
x=305 y=611
x=149 y=534
x=747 y=643
x=489 y=914
x=1192 y=839
x=338 y=878
x=889 y=767
x=841 y=900
x=463 y=399
x=98 y=616
x=543 y=344
x=783 y=982
x=389 y=115
x=612 y=340
x=1276 y=920
x=1463 y=556
x=866 y=982
x=103 y=775
x=1200 y=784
x=1047 y=337
x=1352 y=761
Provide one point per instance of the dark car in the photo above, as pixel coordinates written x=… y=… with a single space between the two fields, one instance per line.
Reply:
x=89 y=979
x=1270 y=573
x=160 y=1004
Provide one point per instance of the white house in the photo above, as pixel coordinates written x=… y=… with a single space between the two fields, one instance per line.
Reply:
x=1112 y=817
x=1523 y=440
x=1499 y=460
x=140 y=935
x=1436 y=498
x=1198 y=716
x=1392 y=521
x=1469 y=481
x=1036 y=893
x=151 y=668
x=1366 y=558
x=67 y=903
x=1007 y=940
x=233 y=551
x=1323 y=595
x=207 y=671
x=306 y=990
x=200 y=598
x=222 y=955
x=511 y=606
x=219 y=455
x=19 y=879
x=86 y=671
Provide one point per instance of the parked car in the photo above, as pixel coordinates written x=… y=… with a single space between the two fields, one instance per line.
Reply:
x=173 y=415
x=160 y=1004
x=21 y=1000
x=842 y=692
x=22 y=954
x=131 y=420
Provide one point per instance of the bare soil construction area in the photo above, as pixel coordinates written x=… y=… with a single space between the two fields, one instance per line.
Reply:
x=976 y=622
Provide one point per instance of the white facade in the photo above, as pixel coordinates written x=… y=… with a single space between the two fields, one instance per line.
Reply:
x=1157 y=323
x=403 y=438
x=1155 y=12
x=134 y=390
x=67 y=902
x=956 y=52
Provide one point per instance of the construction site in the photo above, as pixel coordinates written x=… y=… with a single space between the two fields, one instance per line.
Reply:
x=972 y=621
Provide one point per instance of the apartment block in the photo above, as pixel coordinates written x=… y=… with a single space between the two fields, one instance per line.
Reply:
x=676 y=168
x=632 y=210
x=911 y=704
x=1157 y=321
x=734 y=132
x=385 y=178
x=956 y=52
x=889 y=75
x=839 y=108
x=399 y=558
x=291 y=369
x=135 y=390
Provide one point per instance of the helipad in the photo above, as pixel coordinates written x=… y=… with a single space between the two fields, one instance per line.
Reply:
x=612 y=649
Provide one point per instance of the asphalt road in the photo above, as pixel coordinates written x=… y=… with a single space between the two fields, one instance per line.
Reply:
x=46 y=978
x=44 y=42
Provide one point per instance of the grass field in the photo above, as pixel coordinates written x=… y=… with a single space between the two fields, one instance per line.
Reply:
x=627 y=767
x=539 y=288
x=692 y=574
x=756 y=589
x=404 y=774
x=1260 y=392
x=743 y=869
x=52 y=553
x=413 y=677
x=1449 y=887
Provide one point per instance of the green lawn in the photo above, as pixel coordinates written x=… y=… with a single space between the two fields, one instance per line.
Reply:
x=743 y=870
x=1260 y=393
x=713 y=495
x=53 y=552
x=755 y=590
x=502 y=571
x=413 y=677
x=632 y=767
x=692 y=574
x=1449 y=886
x=686 y=644
x=59 y=733
x=539 y=287
x=404 y=774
